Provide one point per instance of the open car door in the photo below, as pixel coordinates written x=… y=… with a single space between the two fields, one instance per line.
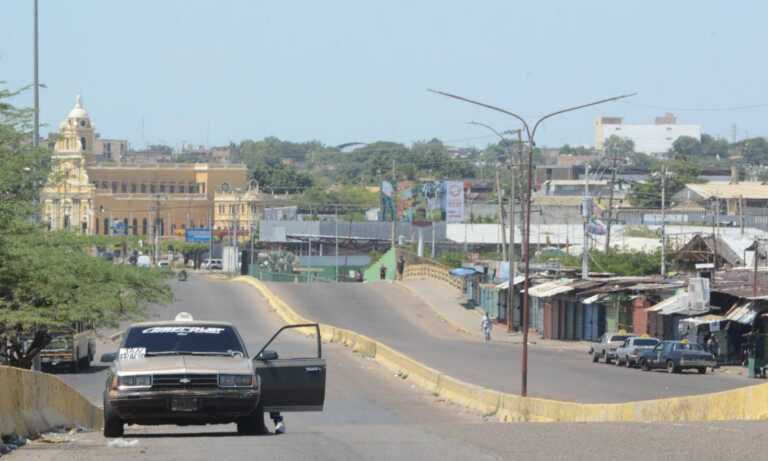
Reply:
x=291 y=384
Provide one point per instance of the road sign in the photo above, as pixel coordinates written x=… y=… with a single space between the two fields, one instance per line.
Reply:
x=198 y=235
x=119 y=228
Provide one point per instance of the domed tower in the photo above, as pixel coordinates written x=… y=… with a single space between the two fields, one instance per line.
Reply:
x=76 y=134
x=68 y=197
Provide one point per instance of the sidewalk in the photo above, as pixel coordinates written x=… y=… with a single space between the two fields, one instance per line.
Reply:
x=449 y=304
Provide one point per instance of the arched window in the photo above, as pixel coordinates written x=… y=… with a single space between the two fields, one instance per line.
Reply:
x=135 y=226
x=106 y=226
x=144 y=226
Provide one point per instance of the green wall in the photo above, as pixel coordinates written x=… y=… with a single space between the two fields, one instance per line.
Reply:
x=389 y=260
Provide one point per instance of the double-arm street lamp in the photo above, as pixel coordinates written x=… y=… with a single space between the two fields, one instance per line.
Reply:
x=531 y=134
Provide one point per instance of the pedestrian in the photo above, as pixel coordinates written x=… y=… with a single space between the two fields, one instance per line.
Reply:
x=485 y=326
x=383 y=272
x=400 y=267
x=713 y=346
x=277 y=418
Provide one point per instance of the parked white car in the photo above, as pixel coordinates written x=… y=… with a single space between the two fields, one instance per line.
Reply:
x=629 y=352
x=212 y=264
x=143 y=261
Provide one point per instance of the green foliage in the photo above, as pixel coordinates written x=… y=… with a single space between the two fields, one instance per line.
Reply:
x=269 y=160
x=618 y=147
x=679 y=173
x=621 y=263
x=640 y=231
x=452 y=259
x=754 y=151
x=49 y=278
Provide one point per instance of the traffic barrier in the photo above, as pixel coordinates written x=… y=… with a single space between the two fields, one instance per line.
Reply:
x=746 y=403
x=32 y=402
x=432 y=272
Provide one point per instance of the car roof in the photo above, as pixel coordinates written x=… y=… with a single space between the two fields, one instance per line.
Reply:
x=171 y=323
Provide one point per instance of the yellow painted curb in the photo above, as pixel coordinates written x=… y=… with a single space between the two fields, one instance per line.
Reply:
x=746 y=403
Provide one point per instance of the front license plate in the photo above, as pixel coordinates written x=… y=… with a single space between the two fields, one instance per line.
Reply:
x=183 y=404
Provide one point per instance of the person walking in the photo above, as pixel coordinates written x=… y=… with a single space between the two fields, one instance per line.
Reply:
x=485 y=326
x=382 y=272
x=400 y=267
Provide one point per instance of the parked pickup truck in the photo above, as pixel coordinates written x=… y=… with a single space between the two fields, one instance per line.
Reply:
x=676 y=356
x=71 y=348
x=630 y=351
x=606 y=348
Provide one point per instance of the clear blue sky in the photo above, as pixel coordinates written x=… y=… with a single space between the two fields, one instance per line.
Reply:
x=340 y=71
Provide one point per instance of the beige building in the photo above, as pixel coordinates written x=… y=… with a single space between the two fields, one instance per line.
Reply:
x=237 y=212
x=99 y=197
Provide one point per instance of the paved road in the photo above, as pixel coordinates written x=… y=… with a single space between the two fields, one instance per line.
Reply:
x=395 y=316
x=372 y=415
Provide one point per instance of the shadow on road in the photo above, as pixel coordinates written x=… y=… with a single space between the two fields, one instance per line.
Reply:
x=93 y=369
x=189 y=435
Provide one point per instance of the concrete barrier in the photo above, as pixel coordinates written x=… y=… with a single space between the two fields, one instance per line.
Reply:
x=32 y=402
x=746 y=403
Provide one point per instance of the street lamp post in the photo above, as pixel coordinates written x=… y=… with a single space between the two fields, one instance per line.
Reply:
x=531 y=134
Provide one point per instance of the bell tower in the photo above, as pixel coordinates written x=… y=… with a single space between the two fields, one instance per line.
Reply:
x=76 y=134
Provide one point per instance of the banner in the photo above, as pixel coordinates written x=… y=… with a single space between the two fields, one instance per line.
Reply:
x=454 y=201
x=198 y=235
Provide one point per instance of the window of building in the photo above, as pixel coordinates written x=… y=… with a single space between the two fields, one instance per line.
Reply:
x=144 y=226
x=133 y=188
x=123 y=187
x=114 y=187
x=106 y=226
x=172 y=188
x=143 y=188
x=97 y=227
x=104 y=185
x=82 y=143
x=66 y=222
x=202 y=187
x=108 y=148
x=75 y=202
x=125 y=226
x=181 y=188
x=162 y=227
x=135 y=227
x=162 y=188
x=152 y=188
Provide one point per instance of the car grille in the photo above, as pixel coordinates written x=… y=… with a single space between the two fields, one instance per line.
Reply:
x=185 y=381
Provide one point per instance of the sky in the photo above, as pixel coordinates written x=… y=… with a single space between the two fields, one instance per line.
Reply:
x=211 y=72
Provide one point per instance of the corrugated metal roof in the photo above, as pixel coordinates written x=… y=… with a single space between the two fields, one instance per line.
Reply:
x=675 y=302
x=505 y=285
x=742 y=314
x=704 y=319
x=725 y=190
x=593 y=299
x=549 y=289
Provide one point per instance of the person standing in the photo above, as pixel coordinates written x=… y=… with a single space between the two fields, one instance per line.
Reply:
x=400 y=267
x=382 y=272
x=485 y=326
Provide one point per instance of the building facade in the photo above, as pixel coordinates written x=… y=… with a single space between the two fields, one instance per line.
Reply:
x=87 y=195
x=652 y=139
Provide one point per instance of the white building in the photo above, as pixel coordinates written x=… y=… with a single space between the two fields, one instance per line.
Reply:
x=651 y=139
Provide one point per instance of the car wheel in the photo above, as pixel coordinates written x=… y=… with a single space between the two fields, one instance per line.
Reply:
x=76 y=364
x=671 y=368
x=644 y=365
x=619 y=362
x=606 y=358
x=252 y=424
x=629 y=364
x=702 y=370
x=595 y=357
x=113 y=425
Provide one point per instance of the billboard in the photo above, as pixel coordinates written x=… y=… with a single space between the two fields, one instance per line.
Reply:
x=198 y=235
x=454 y=201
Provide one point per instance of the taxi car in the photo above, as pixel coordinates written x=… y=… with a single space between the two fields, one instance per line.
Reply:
x=189 y=372
x=675 y=356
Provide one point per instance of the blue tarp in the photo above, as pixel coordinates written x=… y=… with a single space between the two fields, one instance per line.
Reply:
x=463 y=272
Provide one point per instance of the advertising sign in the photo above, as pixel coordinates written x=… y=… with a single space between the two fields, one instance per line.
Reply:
x=198 y=235
x=454 y=201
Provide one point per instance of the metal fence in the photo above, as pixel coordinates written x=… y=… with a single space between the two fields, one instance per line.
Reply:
x=299 y=277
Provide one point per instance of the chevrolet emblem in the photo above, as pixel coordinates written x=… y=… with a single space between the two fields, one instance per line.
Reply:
x=185 y=380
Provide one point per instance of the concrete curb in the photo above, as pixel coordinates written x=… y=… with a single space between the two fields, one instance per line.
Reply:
x=746 y=403
x=32 y=402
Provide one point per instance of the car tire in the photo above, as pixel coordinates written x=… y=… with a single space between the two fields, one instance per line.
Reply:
x=113 y=425
x=595 y=357
x=606 y=358
x=702 y=370
x=671 y=368
x=252 y=424
x=618 y=362
x=75 y=367
x=644 y=365
x=629 y=364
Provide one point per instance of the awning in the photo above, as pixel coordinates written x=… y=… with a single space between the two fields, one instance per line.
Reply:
x=704 y=319
x=742 y=314
x=549 y=289
x=593 y=299
x=505 y=285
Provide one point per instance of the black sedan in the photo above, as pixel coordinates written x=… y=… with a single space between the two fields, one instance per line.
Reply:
x=675 y=356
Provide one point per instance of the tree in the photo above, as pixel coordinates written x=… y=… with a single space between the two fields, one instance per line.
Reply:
x=49 y=279
x=679 y=173
x=161 y=148
x=686 y=147
x=754 y=151
x=621 y=148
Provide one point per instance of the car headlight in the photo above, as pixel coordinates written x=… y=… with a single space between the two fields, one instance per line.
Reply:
x=134 y=381
x=236 y=381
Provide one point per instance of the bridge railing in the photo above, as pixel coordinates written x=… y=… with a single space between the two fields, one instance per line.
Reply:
x=431 y=272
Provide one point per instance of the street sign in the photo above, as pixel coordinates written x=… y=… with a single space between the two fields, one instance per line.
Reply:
x=198 y=235
x=119 y=228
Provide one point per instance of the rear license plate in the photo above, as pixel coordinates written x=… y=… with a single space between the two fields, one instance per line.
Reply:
x=183 y=404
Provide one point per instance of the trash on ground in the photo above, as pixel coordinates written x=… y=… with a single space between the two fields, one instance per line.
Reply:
x=122 y=443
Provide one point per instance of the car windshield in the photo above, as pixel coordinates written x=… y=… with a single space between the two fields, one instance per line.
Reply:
x=617 y=338
x=646 y=342
x=185 y=339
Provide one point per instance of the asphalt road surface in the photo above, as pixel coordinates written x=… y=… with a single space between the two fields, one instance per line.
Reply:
x=370 y=414
x=395 y=316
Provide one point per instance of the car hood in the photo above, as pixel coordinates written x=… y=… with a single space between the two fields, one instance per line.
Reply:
x=185 y=364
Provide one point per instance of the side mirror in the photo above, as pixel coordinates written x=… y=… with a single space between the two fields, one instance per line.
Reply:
x=267 y=355
x=109 y=357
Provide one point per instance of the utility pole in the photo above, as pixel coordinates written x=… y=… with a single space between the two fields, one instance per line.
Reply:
x=715 y=216
x=663 y=221
x=512 y=193
x=501 y=218
x=754 y=275
x=586 y=211
x=210 y=230
x=394 y=204
x=741 y=213
x=336 y=215
x=610 y=205
x=36 y=83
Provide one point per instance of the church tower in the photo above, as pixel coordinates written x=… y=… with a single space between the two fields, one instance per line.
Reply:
x=68 y=197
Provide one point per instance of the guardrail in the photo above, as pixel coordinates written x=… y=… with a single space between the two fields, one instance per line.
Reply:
x=431 y=272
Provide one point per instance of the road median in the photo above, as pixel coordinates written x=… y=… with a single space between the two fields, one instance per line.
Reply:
x=747 y=403
x=33 y=402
